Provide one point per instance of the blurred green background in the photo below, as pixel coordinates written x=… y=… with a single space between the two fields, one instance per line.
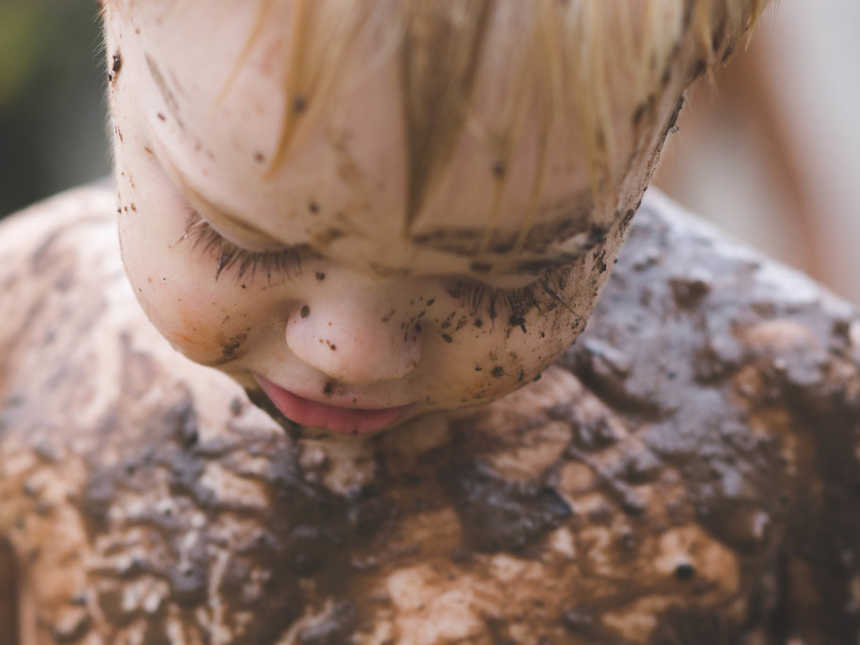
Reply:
x=52 y=108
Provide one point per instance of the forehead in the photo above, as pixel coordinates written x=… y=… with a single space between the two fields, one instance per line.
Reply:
x=332 y=163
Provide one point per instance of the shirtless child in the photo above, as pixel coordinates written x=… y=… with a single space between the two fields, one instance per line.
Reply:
x=381 y=219
x=373 y=211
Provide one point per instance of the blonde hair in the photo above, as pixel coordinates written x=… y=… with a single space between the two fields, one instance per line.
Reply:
x=577 y=61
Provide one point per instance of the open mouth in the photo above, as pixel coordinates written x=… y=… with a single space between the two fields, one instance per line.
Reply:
x=344 y=420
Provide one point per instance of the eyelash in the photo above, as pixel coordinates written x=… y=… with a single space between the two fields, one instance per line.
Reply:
x=472 y=293
x=516 y=301
x=229 y=256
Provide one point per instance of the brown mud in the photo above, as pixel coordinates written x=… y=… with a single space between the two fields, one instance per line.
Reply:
x=686 y=473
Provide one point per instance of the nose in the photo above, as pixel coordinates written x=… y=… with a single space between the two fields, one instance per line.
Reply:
x=353 y=339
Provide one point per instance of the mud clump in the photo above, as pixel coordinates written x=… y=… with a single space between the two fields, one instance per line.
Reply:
x=500 y=515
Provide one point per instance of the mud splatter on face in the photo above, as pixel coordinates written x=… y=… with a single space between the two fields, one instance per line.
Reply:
x=115 y=67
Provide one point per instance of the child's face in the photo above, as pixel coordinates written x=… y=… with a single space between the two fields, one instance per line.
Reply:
x=300 y=278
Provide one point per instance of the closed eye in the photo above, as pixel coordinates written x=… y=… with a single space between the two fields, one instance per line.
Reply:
x=245 y=264
x=544 y=294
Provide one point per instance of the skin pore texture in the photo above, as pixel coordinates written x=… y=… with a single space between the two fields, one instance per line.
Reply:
x=285 y=232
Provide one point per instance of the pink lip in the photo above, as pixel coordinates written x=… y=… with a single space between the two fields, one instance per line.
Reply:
x=344 y=420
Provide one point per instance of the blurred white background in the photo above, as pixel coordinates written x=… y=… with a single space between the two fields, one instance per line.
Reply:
x=771 y=152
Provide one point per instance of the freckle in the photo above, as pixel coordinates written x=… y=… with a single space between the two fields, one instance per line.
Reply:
x=305 y=311
x=320 y=276
x=333 y=347
x=299 y=104
x=134 y=208
x=258 y=157
x=498 y=371
x=542 y=335
x=418 y=329
x=313 y=207
x=447 y=338
x=431 y=301
x=149 y=279
x=161 y=117
x=244 y=286
x=478 y=368
x=329 y=323
x=479 y=323
x=147 y=150
x=499 y=169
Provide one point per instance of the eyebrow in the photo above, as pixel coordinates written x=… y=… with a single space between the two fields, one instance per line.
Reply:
x=573 y=220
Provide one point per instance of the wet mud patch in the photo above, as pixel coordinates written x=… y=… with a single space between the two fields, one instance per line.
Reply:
x=302 y=530
x=497 y=514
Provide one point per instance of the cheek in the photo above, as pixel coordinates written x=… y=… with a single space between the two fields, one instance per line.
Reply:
x=176 y=292
x=174 y=283
x=505 y=358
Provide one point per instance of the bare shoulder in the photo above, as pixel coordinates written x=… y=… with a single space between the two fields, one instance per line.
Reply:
x=680 y=476
x=86 y=385
x=743 y=377
x=41 y=252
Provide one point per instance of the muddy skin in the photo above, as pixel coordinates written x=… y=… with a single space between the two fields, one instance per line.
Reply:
x=164 y=89
x=230 y=348
x=572 y=220
x=115 y=67
x=680 y=476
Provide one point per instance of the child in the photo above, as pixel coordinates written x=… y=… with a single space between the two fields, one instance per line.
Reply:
x=371 y=212
x=365 y=212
